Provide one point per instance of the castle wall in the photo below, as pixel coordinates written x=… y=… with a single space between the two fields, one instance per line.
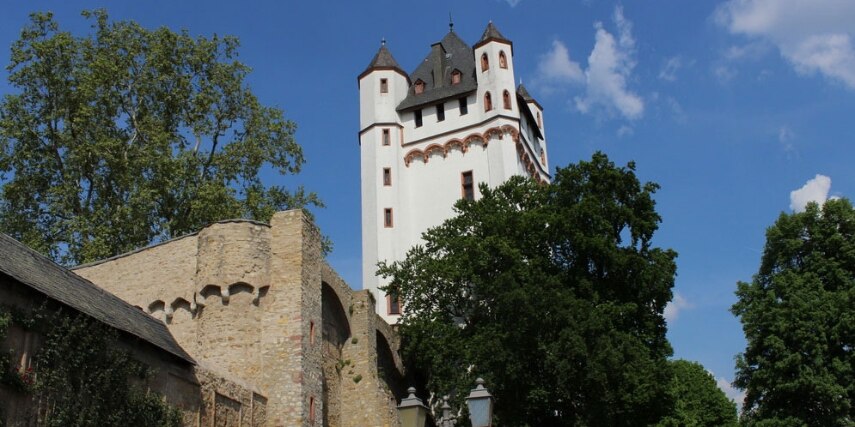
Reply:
x=266 y=308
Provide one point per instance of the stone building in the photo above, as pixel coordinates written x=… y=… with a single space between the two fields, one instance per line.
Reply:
x=259 y=303
x=427 y=139
x=29 y=281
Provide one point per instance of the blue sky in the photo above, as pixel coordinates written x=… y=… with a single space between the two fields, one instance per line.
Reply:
x=730 y=106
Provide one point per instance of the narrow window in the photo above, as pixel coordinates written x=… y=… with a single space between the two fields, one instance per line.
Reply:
x=394 y=302
x=387 y=217
x=506 y=100
x=503 y=60
x=440 y=112
x=387 y=139
x=464 y=107
x=384 y=85
x=420 y=87
x=467 y=185
x=485 y=62
x=539 y=122
x=311 y=410
x=312 y=333
x=387 y=176
x=488 y=102
x=418 y=114
x=456 y=76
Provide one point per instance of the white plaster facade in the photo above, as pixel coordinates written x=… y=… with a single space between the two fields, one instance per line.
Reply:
x=426 y=162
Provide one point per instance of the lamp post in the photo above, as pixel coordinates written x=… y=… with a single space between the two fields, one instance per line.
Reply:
x=480 y=403
x=412 y=411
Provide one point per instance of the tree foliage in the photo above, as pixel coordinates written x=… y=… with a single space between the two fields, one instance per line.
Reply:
x=127 y=135
x=699 y=401
x=552 y=293
x=798 y=318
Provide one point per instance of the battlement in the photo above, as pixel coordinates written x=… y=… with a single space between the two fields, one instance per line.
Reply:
x=259 y=302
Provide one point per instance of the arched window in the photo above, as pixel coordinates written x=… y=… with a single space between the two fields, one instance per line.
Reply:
x=419 y=87
x=506 y=100
x=485 y=62
x=488 y=102
x=539 y=122
x=503 y=60
x=456 y=76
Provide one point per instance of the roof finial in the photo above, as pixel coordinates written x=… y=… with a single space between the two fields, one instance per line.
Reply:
x=450 y=23
x=383 y=41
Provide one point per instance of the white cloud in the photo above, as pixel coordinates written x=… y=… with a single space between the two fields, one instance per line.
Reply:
x=786 y=137
x=609 y=67
x=724 y=74
x=555 y=67
x=815 y=190
x=624 y=131
x=675 y=306
x=785 y=134
x=669 y=69
x=815 y=36
x=732 y=393
x=513 y=3
x=753 y=50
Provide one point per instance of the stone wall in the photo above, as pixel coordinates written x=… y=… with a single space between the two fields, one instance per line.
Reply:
x=261 y=304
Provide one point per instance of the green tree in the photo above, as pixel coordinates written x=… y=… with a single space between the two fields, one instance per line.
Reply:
x=127 y=136
x=552 y=293
x=798 y=318
x=699 y=401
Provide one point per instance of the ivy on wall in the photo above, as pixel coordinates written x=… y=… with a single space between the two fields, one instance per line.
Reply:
x=80 y=376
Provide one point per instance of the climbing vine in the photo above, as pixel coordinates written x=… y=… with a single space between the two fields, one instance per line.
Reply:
x=81 y=376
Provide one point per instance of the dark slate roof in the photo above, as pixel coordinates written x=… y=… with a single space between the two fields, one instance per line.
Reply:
x=523 y=99
x=521 y=91
x=449 y=54
x=383 y=60
x=41 y=274
x=491 y=33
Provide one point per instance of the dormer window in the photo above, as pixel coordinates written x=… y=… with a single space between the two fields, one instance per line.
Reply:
x=506 y=100
x=485 y=62
x=488 y=102
x=419 y=87
x=503 y=60
x=456 y=76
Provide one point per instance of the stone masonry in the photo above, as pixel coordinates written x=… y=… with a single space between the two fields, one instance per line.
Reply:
x=259 y=303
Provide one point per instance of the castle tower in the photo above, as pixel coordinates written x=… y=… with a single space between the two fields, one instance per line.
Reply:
x=430 y=138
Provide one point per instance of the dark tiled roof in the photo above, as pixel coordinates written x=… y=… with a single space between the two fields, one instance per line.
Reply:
x=43 y=275
x=492 y=33
x=450 y=54
x=524 y=93
x=523 y=98
x=383 y=60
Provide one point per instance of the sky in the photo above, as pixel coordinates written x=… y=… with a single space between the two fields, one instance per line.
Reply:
x=739 y=109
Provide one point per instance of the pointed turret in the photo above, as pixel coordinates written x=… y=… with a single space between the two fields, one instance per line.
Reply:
x=383 y=60
x=523 y=93
x=492 y=34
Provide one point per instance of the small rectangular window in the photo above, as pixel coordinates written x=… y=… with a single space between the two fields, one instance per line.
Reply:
x=418 y=114
x=394 y=302
x=387 y=139
x=387 y=176
x=384 y=85
x=440 y=112
x=464 y=107
x=468 y=186
x=387 y=218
